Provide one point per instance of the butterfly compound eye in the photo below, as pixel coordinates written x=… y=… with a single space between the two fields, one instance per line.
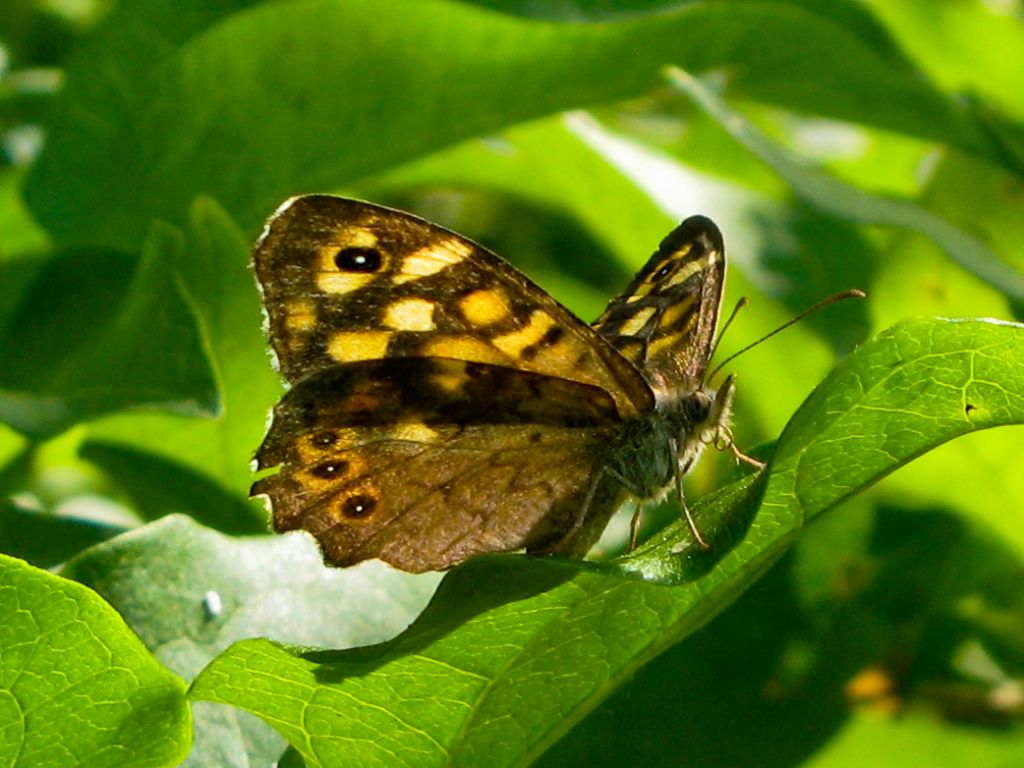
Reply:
x=698 y=407
x=358 y=259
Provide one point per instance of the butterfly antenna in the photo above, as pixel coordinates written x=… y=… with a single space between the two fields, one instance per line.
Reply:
x=852 y=293
x=732 y=316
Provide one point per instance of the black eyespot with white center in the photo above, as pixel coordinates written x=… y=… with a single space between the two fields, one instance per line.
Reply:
x=359 y=506
x=330 y=469
x=356 y=259
x=324 y=439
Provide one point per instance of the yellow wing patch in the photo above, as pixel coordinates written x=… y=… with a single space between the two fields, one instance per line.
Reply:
x=484 y=307
x=689 y=270
x=674 y=312
x=414 y=432
x=447 y=381
x=431 y=260
x=464 y=348
x=638 y=321
x=342 y=282
x=410 y=315
x=301 y=317
x=351 y=346
x=513 y=344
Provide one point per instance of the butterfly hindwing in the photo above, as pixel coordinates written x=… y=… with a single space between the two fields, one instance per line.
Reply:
x=345 y=281
x=419 y=462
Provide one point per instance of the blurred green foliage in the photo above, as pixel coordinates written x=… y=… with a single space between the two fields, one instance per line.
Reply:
x=836 y=143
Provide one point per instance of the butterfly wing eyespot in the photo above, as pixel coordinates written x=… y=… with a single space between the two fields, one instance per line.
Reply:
x=324 y=439
x=330 y=469
x=358 y=506
x=358 y=259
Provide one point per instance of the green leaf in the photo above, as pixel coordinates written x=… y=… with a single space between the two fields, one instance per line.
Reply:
x=47 y=540
x=963 y=46
x=975 y=196
x=513 y=651
x=251 y=108
x=18 y=233
x=876 y=592
x=847 y=201
x=189 y=592
x=915 y=386
x=212 y=455
x=918 y=743
x=134 y=342
x=77 y=688
x=156 y=486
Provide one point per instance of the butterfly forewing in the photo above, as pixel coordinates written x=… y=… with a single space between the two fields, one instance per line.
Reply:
x=664 y=322
x=345 y=281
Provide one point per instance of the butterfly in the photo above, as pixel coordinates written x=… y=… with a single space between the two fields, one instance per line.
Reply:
x=442 y=405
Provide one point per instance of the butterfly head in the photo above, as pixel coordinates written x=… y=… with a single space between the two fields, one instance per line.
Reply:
x=703 y=418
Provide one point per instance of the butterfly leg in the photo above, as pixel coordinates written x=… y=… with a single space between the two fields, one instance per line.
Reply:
x=741 y=456
x=690 y=522
x=634 y=523
x=723 y=442
x=634 y=526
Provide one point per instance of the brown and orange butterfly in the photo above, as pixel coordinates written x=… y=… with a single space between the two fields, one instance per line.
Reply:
x=442 y=405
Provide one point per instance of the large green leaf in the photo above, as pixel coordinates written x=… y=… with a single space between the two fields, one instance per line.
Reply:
x=189 y=592
x=255 y=105
x=205 y=463
x=77 y=687
x=513 y=651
